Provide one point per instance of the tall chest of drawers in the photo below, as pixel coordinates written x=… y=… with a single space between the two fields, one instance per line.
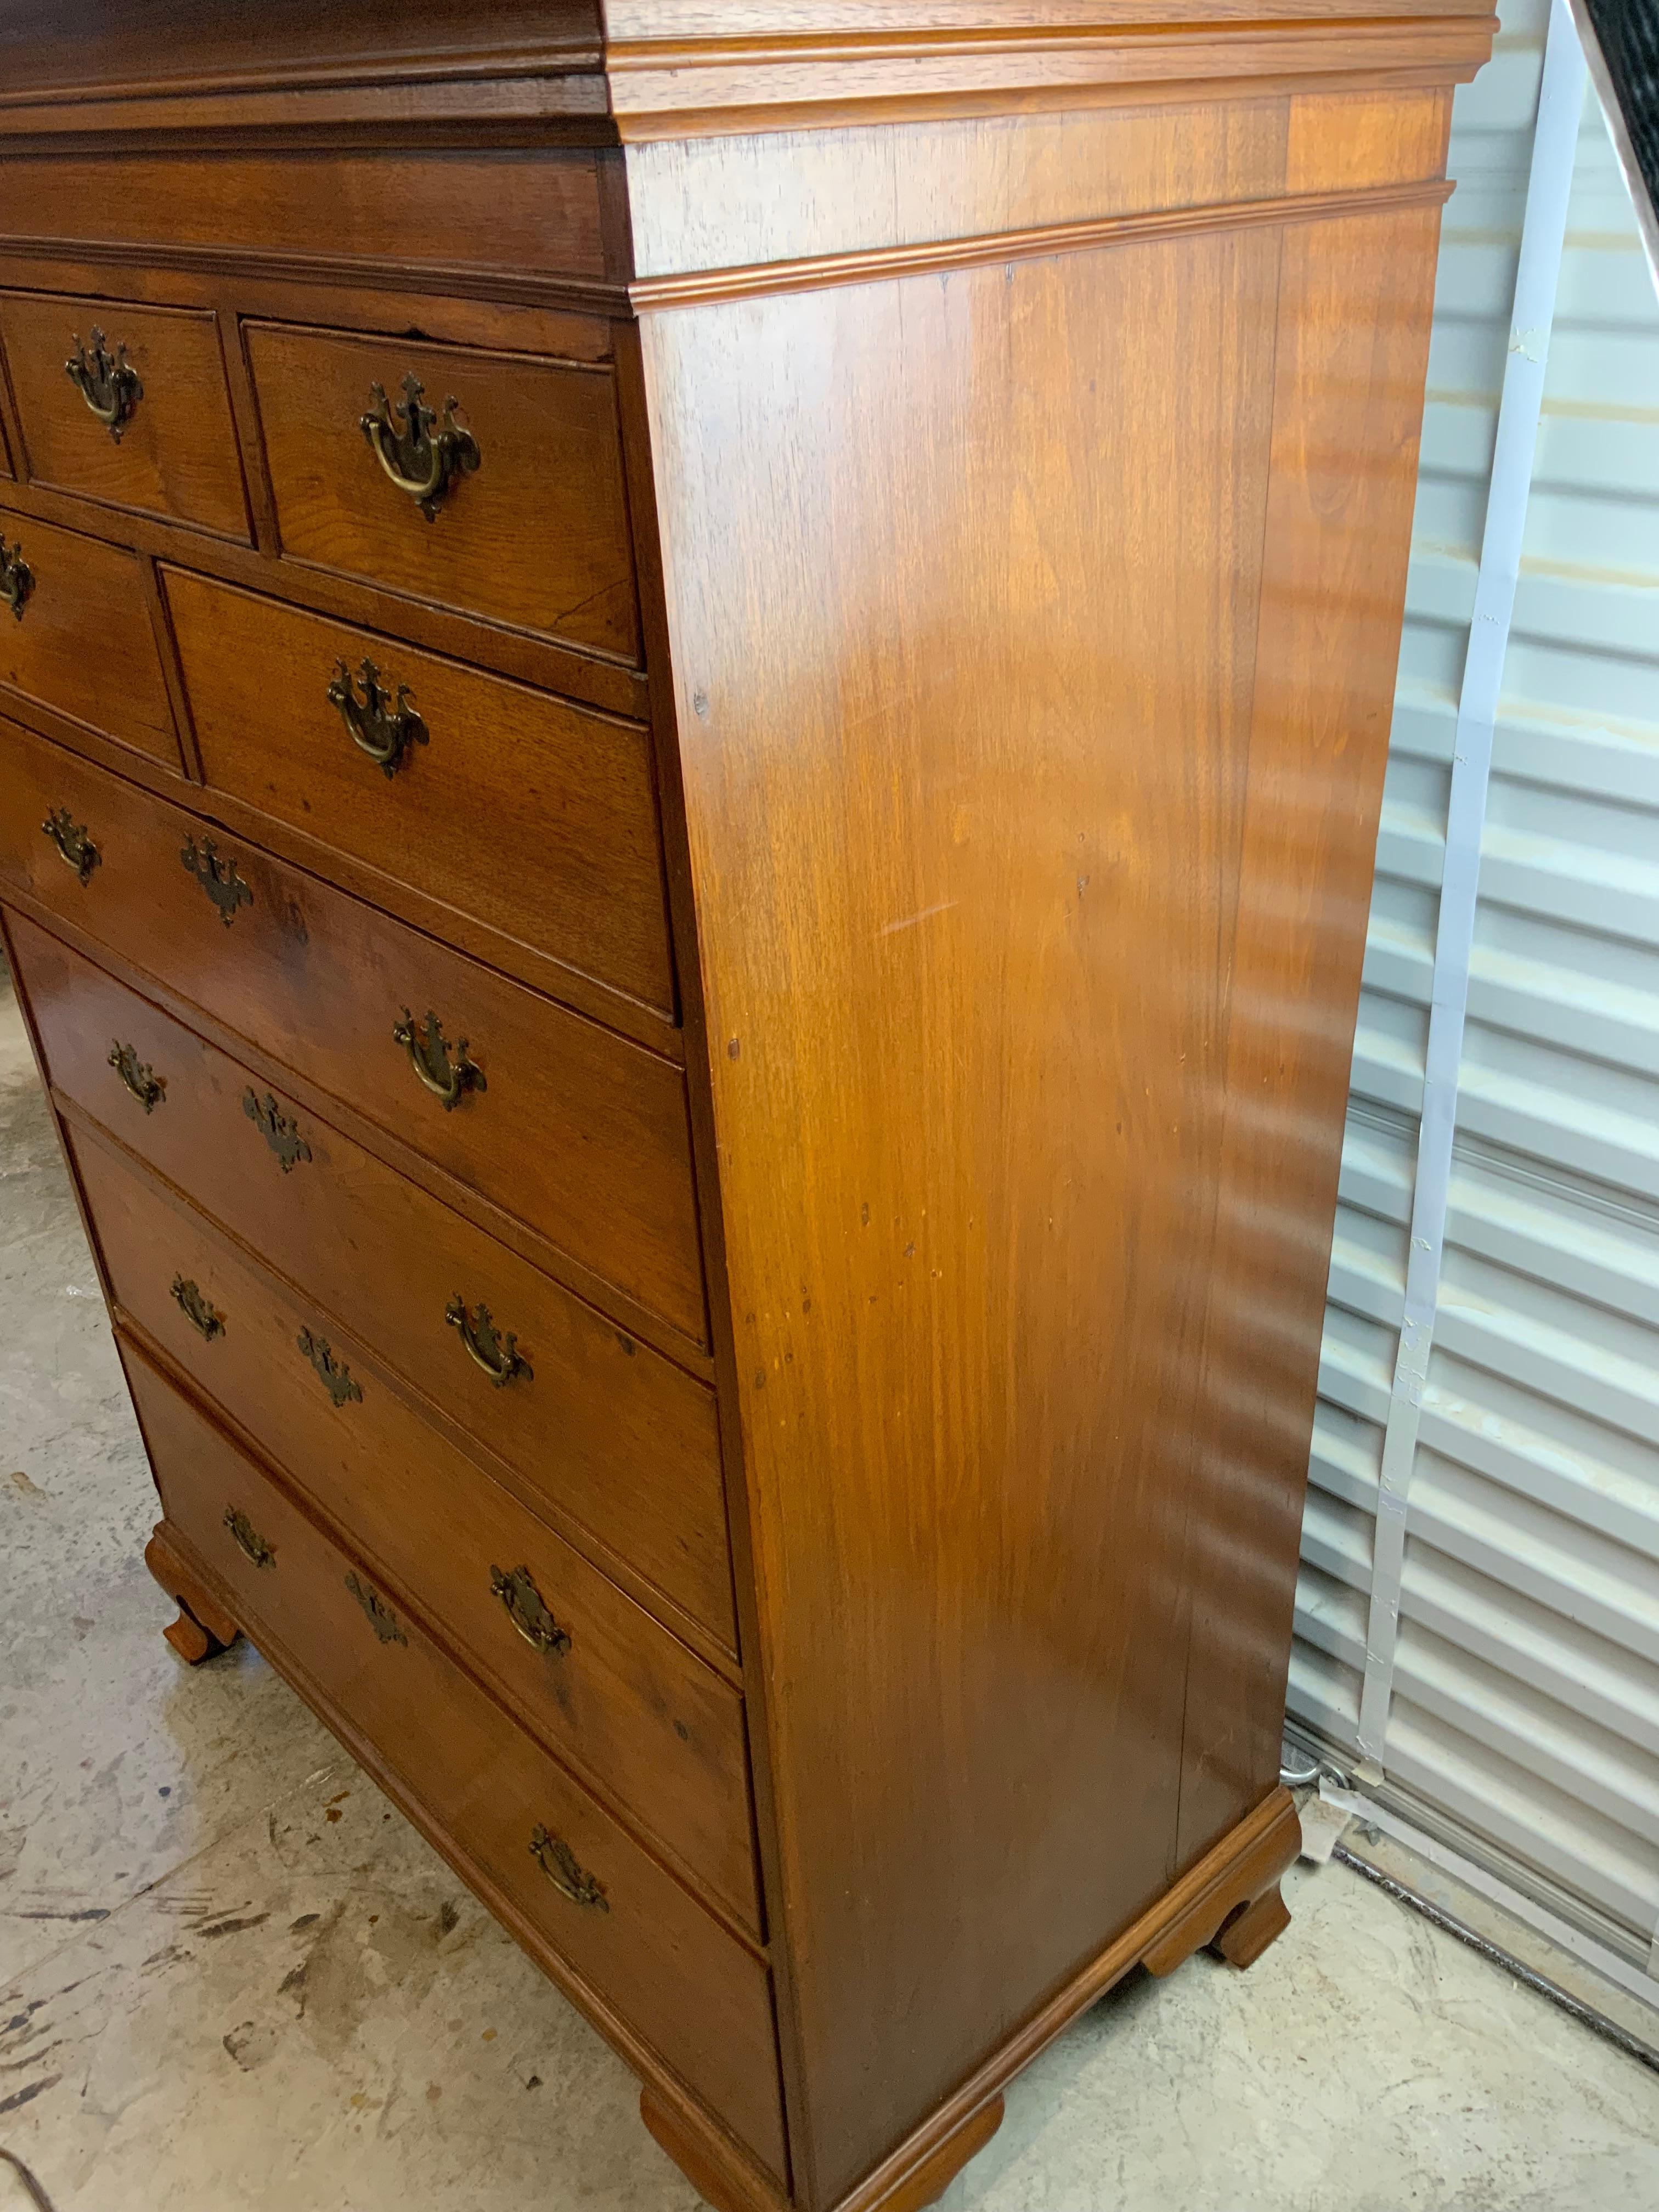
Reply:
x=692 y=705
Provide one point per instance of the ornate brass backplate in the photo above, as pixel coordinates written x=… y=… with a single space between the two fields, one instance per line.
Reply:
x=75 y=849
x=558 y=1862
x=202 y=1317
x=334 y=1375
x=526 y=1609
x=420 y=455
x=377 y=724
x=282 y=1135
x=16 y=577
x=218 y=878
x=107 y=382
x=381 y=1617
x=248 y=1539
x=429 y=1055
x=148 y=1088
x=499 y=1356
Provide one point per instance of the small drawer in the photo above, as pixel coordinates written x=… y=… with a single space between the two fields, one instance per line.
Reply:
x=590 y=1894
x=596 y=1677
x=581 y=1135
x=607 y=1431
x=76 y=636
x=523 y=521
x=536 y=817
x=127 y=405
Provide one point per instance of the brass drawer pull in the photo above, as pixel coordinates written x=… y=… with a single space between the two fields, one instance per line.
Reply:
x=526 y=1609
x=282 y=1135
x=420 y=464
x=16 y=577
x=333 y=1374
x=202 y=1317
x=381 y=1617
x=75 y=849
x=429 y=1055
x=499 y=1356
x=107 y=382
x=248 y=1539
x=558 y=1862
x=377 y=724
x=218 y=878
x=148 y=1088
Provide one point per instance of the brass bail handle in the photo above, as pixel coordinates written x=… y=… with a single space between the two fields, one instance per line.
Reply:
x=429 y=1051
x=567 y=1875
x=419 y=453
x=496 y=1354
x=107 y=382
x=16 y=577
x=74 y=847
x=380 y=723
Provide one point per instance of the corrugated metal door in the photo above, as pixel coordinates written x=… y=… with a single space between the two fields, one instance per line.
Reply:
x=1511 y=1704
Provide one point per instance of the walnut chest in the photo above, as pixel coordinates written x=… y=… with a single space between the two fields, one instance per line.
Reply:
x=692 y=707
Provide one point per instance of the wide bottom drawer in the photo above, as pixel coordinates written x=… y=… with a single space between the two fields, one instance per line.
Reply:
x=634 y=1940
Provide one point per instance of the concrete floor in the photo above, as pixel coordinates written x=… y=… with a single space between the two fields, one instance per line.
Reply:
x=230 y=1976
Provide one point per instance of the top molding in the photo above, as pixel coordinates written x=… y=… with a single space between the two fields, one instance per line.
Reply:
x=672 y=69
x=687 y=69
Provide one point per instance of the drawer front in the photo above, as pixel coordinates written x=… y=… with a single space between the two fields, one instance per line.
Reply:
x=609 y=1432
x=144 y=424
x=580 y=1134
x=685 y=1986
x=601 y=1682
x=536 y=817
x=437 y=209
x=535 y=535
x=81 y=642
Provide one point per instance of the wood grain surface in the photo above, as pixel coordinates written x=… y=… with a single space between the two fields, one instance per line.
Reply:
x=655 y=1731
x=966 y=602
x=537 y=538
x=84 y=646
x=177 y=455
x=580 y=1134
x=975 y=440
x=535 y=816
x=617 y=1445
x=676 y=1976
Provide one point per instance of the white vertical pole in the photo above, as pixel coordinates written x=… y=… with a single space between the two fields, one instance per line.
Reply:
x=1560 y=108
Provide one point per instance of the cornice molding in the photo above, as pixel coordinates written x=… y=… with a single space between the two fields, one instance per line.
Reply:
x=674 y=87
x=703 y=288
x=672 y=69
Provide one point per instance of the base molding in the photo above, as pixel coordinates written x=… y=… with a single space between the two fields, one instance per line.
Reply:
x=1229 y=1901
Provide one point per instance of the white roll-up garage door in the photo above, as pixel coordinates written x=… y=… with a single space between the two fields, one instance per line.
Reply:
x=1478 y=1624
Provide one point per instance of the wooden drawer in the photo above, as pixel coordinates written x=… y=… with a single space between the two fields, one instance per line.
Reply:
x=581 y=1135
x=602 y=1428
x=435 y=210
x=171 y=451
x=84 y=644
x=536 y=817
x=650 y=1953
x=536 y=537
x=601 y=1682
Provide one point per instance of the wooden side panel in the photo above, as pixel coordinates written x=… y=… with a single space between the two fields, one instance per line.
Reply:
x=962 y=595
x=1352 y=352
